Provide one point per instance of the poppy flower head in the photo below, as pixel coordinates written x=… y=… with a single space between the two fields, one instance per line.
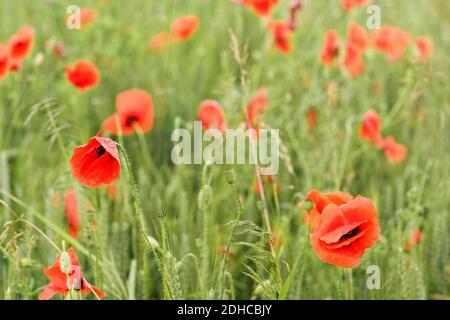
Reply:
x=65 y=275
x=353 y=61
x=344 y=232
x=159 y=41
x=21 y=43
x=134 y=112
x=394 y=152
x=262 y=8
x=357 y=37
x=391 y=41
x=424 y=48
x=4 y=60
x=415 y=238
x=370 y=128
x=311 y=116
x=87 y=16
x=330 y=48
x=281 y=33
x=96 y=163
x=319 y=202
x=211 y=115
x=257 y=104
x=184 y=27
x=83 y=75
x=348 y=5
x=72 y=214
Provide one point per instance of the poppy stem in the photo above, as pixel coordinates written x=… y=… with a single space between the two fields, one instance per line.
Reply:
x=350 y=283
x=134 y=191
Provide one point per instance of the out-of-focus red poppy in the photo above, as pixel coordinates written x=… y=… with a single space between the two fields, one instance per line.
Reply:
x=357 y=37
x=257 y=104
x=319 y=201
x=394 y=152
x=277 y=242
x=262 y=8
x=391 y=41
x=72 y=214
x=14 y=64
x=159 y=41
x=345 y=231
x=211 y=115
x=96 y=163
x=267 y=179
x=56 y=47
x=311 y=116
x=353 y=61
x=4 y=60
x=21 y=43
x=348 y=5
x=416 y=236
x=111 y=190
x=370 y=128
x=184 y=27
x=424 y=48
x=83 y=75
x=330 y=48
x=65 y=276
x=134 y=112
x=87 y=16
x=281 y=33
x=223 y=250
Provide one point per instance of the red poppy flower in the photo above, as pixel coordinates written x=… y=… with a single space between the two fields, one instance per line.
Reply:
x=65 y=276
x=96 y=163
x=159 y=41
x=256 y=106
x=87 y=16
x=281 y=33
x=320 y=201
x=212 y=116
x=184 y=27
x=416 y=236
x=134 y=112
x=311 y=116
x=357 y=37
x=4 y=60
x=21 y=43
x=394 y=152
x=350 y=4
x=83 y=75
x=345 y=231
x=267 y=179
x=262 y=8
x=391 y=41
x=425 y=48
x=371 y=128
x=330 y=49
x=353 y=61
x=56 y=47
x=71 y=209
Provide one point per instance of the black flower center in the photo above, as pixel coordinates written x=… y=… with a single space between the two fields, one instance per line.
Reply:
x=131 y=121
x=100 y=151
x=349 y=234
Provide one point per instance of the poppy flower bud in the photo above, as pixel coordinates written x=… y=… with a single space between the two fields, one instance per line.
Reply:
x=308 y=205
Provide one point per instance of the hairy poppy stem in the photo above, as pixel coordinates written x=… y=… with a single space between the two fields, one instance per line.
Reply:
x=134 y=191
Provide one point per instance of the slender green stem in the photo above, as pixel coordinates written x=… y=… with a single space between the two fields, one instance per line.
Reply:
x=350 y=283
x=134 y=191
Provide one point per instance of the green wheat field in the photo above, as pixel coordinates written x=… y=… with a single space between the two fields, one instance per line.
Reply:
x=204 y=231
